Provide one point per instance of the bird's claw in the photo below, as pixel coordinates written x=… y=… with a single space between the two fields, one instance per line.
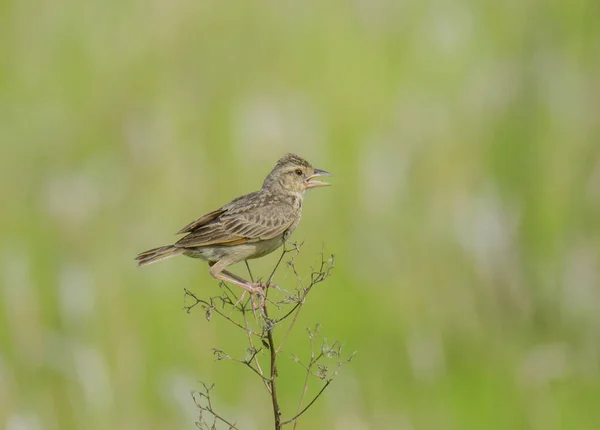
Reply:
x=254 y=288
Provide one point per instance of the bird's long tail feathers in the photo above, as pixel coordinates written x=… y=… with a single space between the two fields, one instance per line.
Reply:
x=158 y=254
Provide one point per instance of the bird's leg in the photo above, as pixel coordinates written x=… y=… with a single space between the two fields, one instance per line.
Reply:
x=234 y=276
x=217 y=271
x=245 y=285
x=254 y=284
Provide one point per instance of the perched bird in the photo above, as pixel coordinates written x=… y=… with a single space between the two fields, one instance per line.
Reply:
x=249 y=226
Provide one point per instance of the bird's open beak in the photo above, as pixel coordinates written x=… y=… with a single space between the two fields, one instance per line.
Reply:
x=313 y=184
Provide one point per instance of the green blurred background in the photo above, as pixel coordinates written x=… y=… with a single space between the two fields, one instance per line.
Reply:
x=464 y=139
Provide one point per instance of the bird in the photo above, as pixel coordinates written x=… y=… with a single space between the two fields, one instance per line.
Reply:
x=248 y=227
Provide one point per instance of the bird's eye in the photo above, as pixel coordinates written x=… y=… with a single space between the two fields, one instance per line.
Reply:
x=299 y=172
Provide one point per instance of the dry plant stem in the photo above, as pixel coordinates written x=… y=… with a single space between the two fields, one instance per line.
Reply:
x=251 y=342
x=273 y=373
x=276 y=410
x=323 y=274
x=305 y=386
x=295 y=418
x=211 y=307
x=322 y=373
x=222 y=355
x=231 y=301
x=296 y=308
x=209 y=408
x=300 y=411
x=249 y=334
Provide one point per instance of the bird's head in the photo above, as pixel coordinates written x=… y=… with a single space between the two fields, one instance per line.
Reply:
x=294 y=174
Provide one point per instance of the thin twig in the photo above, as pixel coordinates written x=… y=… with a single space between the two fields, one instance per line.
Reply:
x=209 y=408
x=325 y=271
x=210 y=307
x=304 y=390
x=307 y=406
x=247 y=362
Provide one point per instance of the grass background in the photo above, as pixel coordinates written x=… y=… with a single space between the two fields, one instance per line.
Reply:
x=464 y=137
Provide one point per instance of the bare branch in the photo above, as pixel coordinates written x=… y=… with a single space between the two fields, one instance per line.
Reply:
x=209 y=307
x=326 y=351
x=269 y=313
x=202 y=423
x=295 y=417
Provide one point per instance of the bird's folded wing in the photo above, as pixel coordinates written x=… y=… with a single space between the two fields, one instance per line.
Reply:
x=205 y=219
x=238 y=228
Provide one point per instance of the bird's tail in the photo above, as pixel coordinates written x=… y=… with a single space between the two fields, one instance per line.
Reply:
x=158 y=254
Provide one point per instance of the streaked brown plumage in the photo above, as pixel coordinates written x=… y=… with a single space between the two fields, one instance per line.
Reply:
x=249 y=226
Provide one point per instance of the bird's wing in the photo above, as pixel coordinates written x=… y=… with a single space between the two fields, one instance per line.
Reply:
x=241 y=226
x=247 y=201
x=203 y=220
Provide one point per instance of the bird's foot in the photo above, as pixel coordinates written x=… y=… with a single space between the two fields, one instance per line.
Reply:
x=254 y=288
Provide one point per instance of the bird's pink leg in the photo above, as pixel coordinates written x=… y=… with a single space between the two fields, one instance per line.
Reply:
x=234 y=276
x=248 y=286
x=217 y=271
x=254 y=284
